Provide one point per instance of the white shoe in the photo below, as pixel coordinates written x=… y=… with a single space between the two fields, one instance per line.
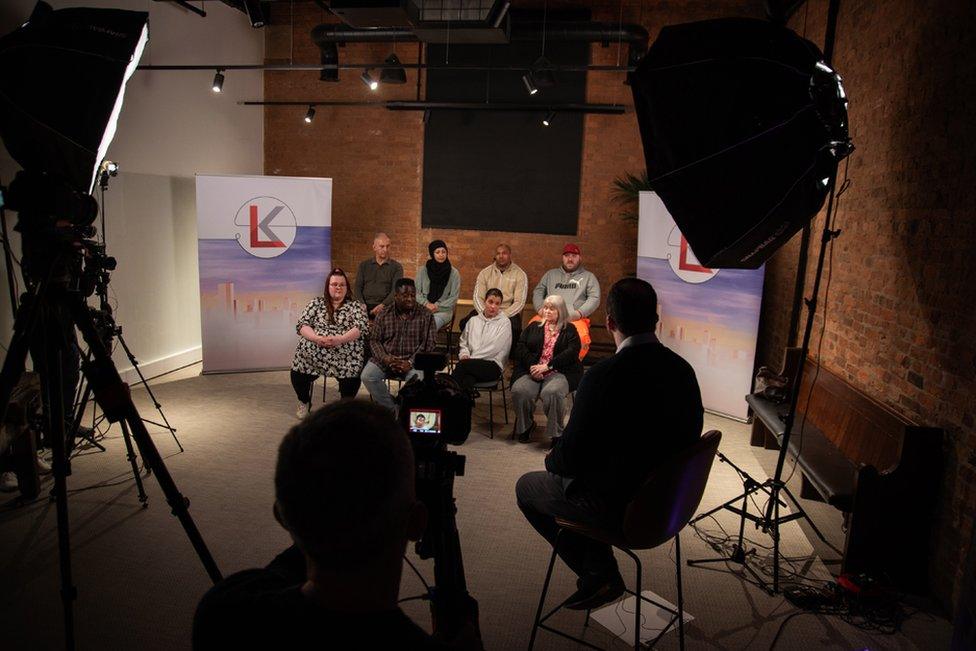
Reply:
x=302 y=410
x=43 y=465
x=8 y=482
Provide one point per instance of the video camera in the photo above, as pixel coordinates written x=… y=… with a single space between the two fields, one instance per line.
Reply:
x=436 y=412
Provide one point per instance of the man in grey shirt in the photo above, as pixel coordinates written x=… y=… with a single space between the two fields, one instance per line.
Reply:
x=578 y=287
x=375 y=277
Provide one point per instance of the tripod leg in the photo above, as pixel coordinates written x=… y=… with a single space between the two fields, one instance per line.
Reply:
x=775 y=532
x=799 y=508
x=76 y=425
x=113 y=396
x=152 y=396
x=131 y=456
x=48 y=354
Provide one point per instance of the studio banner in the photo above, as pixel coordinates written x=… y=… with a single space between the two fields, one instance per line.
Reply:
x=265 y=247
x=708 y=316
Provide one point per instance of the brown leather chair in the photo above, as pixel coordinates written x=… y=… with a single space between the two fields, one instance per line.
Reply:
x=659 y=511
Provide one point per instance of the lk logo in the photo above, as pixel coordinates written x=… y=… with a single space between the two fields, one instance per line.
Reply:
x=683 y=262
x=266 y=227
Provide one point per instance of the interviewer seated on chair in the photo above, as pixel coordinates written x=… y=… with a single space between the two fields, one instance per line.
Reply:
x=547 y=365
x=344 y=491
x=484 y=345
x=632 y=412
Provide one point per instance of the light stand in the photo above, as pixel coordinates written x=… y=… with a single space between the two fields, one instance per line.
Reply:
x=770 y=520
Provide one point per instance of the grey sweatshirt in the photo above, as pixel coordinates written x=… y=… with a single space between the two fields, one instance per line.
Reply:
x=487 y=338
x=580 y=289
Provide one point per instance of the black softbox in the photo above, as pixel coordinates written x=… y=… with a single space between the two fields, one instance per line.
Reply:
x=62 y=77
x=742 y=125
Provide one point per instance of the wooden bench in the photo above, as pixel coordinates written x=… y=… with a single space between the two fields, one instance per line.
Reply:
x=881 y=470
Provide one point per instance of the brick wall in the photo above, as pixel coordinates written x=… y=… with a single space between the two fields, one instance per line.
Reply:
x=900 y=314
x=375 y=157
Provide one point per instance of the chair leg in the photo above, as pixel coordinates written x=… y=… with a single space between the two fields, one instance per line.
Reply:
x=637 y=607
x=325 y=385
x=504 y=399
x=545 y=590
x=681 y=605
x=491 y=414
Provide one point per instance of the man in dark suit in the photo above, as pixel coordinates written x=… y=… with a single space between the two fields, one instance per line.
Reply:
x=632 y=411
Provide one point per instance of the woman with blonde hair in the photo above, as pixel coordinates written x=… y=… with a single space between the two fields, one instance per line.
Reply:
x=547 y=366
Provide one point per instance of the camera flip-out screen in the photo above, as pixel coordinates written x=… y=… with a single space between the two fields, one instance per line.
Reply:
x=425 y=421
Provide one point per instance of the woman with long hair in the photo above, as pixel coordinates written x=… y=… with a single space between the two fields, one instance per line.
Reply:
x=331 y=331
x=438 y=284
x=547 y=366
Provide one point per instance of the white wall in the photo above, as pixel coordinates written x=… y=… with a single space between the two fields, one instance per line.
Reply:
x=172 y=126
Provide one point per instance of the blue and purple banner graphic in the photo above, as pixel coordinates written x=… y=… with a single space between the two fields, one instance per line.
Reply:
x=708 y=316
x=265 y=247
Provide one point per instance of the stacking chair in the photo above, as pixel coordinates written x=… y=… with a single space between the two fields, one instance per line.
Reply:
x=659 y=511
x=491 y=388
x=445 y=342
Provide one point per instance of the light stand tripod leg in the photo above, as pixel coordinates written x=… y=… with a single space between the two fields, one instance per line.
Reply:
x=152 y=396
x=113 y=396
x=76 y=424
x=131 y=456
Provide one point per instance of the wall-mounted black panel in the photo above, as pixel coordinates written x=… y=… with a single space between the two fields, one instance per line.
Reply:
x=503 y=170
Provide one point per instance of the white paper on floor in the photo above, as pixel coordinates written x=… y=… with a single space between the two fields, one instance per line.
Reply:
x=618 y=618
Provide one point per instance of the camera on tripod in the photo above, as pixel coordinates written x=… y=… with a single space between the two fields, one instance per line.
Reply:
x=436 y=412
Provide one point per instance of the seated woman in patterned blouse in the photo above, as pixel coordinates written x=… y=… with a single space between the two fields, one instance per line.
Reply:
x=331 y=331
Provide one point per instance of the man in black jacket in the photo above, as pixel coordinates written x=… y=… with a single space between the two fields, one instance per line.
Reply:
x=632 y=412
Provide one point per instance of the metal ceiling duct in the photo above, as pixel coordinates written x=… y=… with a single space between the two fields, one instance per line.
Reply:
x=634 y=36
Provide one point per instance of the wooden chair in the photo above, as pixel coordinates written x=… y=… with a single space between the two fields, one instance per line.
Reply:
x=657 y=514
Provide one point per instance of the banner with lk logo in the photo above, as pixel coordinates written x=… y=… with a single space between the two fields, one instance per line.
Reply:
x=265 y=247
x=708 y=316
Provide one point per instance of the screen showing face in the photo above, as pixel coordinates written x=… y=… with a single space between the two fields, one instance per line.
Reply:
x=427 y=421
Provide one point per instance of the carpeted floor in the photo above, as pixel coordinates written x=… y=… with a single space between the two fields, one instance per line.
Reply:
x=138 y=578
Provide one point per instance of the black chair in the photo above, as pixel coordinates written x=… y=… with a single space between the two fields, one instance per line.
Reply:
x=491 y=388
x=659 y=511
x=445 y=342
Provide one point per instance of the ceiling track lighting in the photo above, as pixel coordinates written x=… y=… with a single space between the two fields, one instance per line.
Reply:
x=367 y=78
x=550 y=116
x=218 y=82
x=310 y=115
x=529 y=83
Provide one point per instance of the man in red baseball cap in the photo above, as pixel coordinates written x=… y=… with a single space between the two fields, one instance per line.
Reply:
x=578 y=287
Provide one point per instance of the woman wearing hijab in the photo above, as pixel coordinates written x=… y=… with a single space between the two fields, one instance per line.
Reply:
x=438 y=284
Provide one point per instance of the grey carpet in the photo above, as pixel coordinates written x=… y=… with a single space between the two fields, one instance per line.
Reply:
x=138 y=578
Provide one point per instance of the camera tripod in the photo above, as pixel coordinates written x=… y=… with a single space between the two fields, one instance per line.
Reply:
x=44 y=326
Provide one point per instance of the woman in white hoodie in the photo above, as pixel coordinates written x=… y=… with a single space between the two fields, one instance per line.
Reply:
x=485 y=344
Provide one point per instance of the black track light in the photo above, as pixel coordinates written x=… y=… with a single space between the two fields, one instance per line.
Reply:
x=218 y=82
x=529 y=83
x=310 y=115
x=393 y=72
x=367 y=78
x=550 y=116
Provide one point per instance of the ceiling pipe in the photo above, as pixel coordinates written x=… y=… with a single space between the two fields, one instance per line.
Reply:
x=634 y=36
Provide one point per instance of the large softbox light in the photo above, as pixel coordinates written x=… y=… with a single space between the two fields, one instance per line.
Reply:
x=742 y=125
x=63 y=77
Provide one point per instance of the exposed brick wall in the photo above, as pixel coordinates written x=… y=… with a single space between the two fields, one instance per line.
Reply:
x=900 y=312
x=375 y=157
